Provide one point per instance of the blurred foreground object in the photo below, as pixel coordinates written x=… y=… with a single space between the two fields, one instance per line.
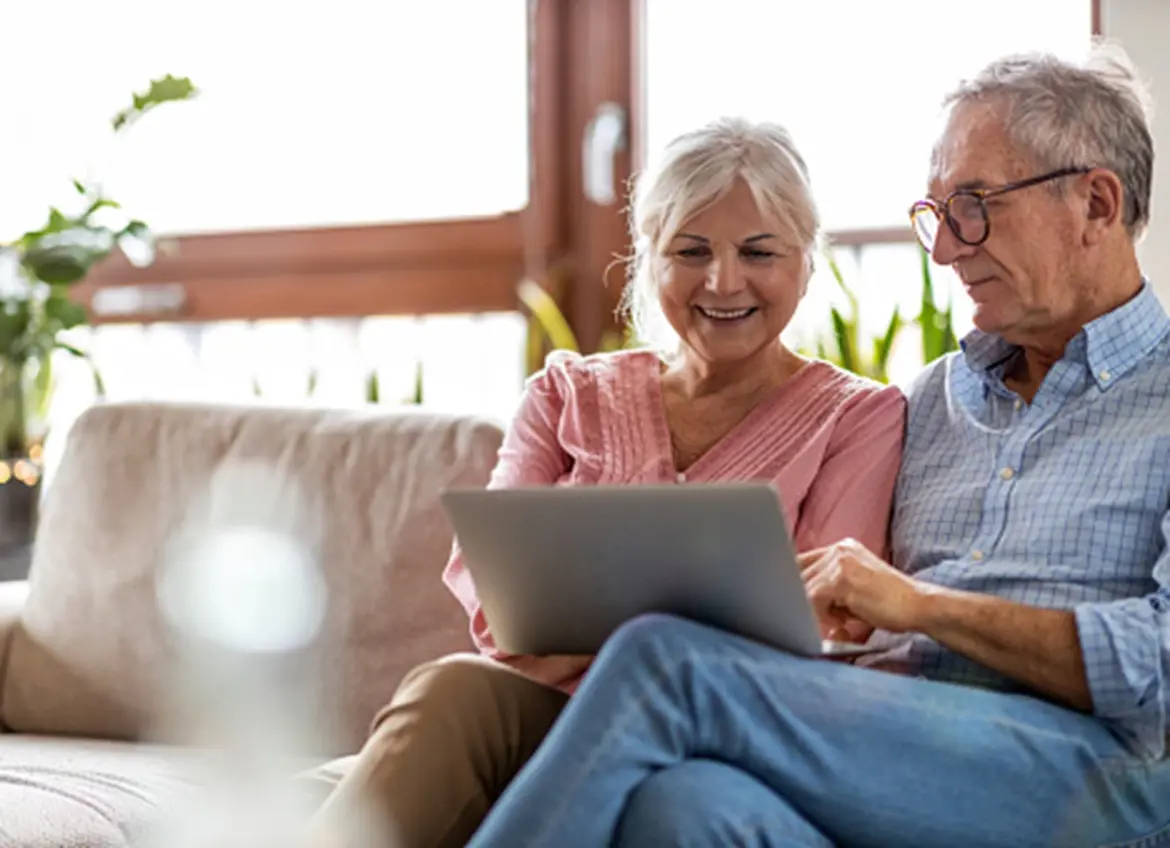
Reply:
x=243 y=595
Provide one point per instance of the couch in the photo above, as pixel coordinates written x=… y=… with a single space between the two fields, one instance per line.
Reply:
x=85 y=758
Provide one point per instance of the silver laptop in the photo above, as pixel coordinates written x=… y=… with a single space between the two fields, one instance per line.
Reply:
x=558 y=569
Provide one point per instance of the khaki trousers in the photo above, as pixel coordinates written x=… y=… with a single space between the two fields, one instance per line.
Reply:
x=441 y=752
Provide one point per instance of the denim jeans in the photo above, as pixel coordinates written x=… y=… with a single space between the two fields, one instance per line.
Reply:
x=682 y=735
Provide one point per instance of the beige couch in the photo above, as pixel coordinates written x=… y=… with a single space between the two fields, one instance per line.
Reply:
x=84 y=652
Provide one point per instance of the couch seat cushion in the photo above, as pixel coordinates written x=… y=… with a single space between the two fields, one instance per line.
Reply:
x=59 y=792
x=65 y=792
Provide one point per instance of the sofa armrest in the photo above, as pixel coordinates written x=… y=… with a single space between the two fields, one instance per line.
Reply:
x=12 y=597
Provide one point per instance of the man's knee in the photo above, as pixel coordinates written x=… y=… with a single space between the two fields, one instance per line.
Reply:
x=654 y=634
x=668 y=643
x=704 y=802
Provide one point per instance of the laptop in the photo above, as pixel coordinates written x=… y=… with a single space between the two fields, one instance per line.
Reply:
x=559 y=569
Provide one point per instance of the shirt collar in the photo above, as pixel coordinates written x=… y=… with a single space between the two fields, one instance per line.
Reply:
x=1109 y=346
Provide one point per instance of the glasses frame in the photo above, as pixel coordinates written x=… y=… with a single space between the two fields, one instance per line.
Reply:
x=942 y=211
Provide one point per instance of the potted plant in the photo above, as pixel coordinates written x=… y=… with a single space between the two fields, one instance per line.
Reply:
x=37 y=272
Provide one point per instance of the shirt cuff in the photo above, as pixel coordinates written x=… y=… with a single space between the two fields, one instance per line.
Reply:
x=1121 y=645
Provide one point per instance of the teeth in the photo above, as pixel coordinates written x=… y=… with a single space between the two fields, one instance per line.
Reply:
x=725 y=314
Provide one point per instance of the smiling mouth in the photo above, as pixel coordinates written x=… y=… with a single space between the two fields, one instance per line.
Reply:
x=726 y=314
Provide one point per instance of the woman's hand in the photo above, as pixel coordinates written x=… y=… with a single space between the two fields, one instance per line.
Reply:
x=854 y=592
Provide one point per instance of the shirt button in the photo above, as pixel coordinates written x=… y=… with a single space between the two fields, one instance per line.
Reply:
x=1019 y=404
x=1105 y=376
x=1007 y=473
x=680 y=477
x=977 y=555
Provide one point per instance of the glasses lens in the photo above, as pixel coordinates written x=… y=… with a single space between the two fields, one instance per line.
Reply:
x=925 y=223
x=969 y=217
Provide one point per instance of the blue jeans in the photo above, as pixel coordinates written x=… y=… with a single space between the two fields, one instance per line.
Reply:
x=682 y=735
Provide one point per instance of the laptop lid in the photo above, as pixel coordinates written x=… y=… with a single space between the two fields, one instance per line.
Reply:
x=558 y=569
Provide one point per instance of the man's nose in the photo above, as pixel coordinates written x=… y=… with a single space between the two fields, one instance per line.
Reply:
x=947 y=247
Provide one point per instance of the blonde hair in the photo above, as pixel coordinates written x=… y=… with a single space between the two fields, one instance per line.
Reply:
x=695 y=170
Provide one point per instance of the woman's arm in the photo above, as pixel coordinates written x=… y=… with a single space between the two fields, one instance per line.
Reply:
x=853 y=493
x=531 y=455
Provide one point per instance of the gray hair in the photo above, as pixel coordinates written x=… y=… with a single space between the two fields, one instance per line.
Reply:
x=1063 y=114
x=695 y=170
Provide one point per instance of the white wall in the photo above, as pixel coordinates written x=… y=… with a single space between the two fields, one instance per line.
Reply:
x=1142 y=27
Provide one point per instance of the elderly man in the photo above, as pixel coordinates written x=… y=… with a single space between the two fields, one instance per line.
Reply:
x=1020 y=696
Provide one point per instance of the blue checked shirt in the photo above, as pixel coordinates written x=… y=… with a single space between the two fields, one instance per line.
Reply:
x=1063 y=503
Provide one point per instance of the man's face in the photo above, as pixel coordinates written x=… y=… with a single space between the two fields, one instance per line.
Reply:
x=1023 y=278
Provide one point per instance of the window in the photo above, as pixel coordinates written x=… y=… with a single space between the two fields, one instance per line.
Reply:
x=310 y=115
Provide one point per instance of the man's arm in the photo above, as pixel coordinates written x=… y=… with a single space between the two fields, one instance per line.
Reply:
x=1038 y=647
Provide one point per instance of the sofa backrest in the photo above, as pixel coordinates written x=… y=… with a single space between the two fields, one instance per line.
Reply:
x=92 y=650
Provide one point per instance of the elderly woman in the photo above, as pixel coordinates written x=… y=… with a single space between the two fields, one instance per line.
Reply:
x=724 y=229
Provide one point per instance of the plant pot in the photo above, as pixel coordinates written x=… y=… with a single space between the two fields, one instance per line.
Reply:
x=20 y=490
x=20 y=473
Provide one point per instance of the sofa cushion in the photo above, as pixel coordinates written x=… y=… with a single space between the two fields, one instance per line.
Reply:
x=58 y=792
x=92 y=652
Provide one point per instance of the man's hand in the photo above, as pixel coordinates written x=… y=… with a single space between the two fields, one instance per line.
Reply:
x=853 y=591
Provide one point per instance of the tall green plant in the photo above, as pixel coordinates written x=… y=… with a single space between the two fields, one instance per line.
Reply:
x=37 y=307
x=937 y=326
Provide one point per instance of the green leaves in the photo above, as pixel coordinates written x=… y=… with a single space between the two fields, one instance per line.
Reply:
x=15 y=318
x=60 y=254
x=64 y=313
x=550 y=318
x=136 y=242
x=847 y=350
x=61 y=264
x=885 y=344
x=844 y=347
x=938 y=335
x=99 y=384
x=166 y=89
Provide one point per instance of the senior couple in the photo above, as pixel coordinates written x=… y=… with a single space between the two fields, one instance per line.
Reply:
x=1000 y=532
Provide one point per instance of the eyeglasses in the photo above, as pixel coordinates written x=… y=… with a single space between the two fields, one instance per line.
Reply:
x=965 y=210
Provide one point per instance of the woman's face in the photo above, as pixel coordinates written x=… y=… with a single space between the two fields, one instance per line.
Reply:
x=727 y=283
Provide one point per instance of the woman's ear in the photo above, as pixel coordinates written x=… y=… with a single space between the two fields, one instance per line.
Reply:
x=809 y=269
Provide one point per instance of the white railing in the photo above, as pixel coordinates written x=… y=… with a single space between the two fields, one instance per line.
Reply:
x=467 y=363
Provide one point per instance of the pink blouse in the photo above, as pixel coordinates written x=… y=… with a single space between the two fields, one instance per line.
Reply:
x=830 y=441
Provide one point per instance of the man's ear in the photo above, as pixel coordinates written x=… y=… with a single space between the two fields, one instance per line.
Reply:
x=1105 y=204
